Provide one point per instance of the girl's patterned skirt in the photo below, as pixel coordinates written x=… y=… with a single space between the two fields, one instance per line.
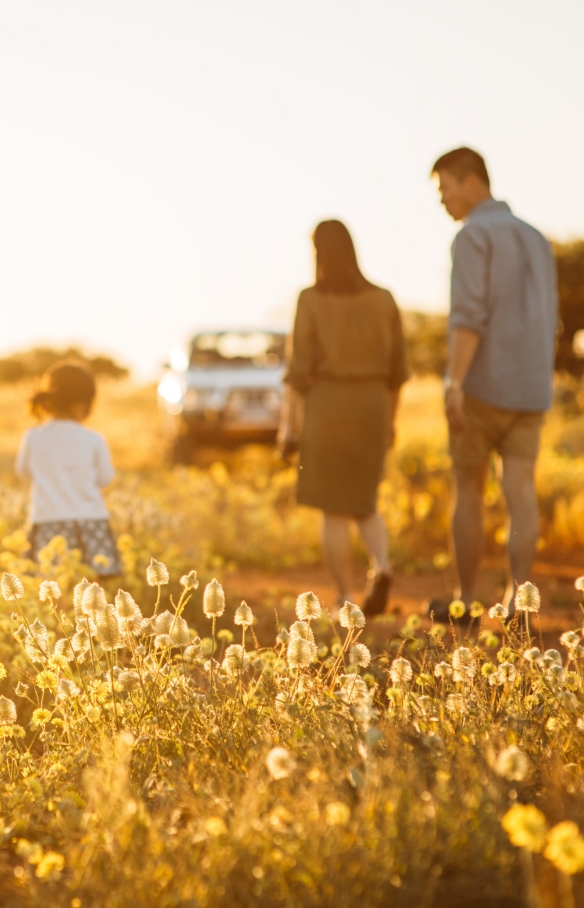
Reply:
x=94 y=538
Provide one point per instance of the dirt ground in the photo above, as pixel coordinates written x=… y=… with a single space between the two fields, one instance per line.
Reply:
x=266 y=592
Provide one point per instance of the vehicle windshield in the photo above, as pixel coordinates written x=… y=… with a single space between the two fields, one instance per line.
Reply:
x=238 y=348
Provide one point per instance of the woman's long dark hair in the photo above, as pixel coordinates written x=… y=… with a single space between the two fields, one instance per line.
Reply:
x=337 y=270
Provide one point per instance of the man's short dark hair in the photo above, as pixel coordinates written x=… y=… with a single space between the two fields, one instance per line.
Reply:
x=461 y=163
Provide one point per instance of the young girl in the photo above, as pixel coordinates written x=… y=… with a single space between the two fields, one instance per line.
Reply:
x=68 y=465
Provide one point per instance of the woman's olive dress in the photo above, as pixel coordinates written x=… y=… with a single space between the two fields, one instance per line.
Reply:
x=347 y=353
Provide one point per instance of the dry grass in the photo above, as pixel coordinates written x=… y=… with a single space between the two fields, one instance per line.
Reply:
x=144 y=764
x=154 y=789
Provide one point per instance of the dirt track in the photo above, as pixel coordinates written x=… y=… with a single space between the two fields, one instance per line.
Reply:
x=265 y=591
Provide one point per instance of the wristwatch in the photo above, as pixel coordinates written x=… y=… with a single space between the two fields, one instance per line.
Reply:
x=451 y=384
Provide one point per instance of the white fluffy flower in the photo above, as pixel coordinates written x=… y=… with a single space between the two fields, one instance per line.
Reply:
x=351 y=616
x=443 y=670
x=189 y=581
x=244 y=615
x=533 y=654
x=66 y=689
x=499 y=611
x=148 y=629
x=552 y=657
x=125 y=604
x=360 y=655
x=49 y=590
x=7 y=711
x=162 y=623
x=512 y=764
x=353 y=689
x=156 y=573
x=194 y=651
x=108 y=629
x=570 y=639
x=302 y=629
x=78 y=591
x=280 y=763
x=308 y=607
x=179 y=632
x=579 y=584
x=464 y=662
x=128 y=680
x=93 y=600
x=213 y=600
x=400 y=671
x=527 y=598
x=506 y=673
x=80 y=642
x=11 y=588
x=555 y=674
x=64 y=648
x=129 y=615
x=299 y=653
x=235 y=660
x=455 y=703
x=36 y=643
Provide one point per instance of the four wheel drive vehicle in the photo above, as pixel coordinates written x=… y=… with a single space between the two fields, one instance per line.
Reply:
x=229 y=393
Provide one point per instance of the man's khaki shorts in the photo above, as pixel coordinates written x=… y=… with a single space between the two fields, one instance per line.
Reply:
x=489 y=429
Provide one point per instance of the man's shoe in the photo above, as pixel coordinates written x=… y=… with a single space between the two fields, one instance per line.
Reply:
x=439 y=609
x=377 y=596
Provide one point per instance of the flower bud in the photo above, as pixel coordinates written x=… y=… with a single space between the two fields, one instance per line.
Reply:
x=213 y=600
x=157 y=573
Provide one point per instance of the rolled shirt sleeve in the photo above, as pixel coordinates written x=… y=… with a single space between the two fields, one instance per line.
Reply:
x=302 y=359
x=470 y=280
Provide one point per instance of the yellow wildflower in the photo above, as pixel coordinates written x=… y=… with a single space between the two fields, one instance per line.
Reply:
x=58 y=663
x=50 y=866
x=565 y=848
x=125 y=542
x=215 y=826
x=47 y=680
x=41 y=716
x=337 y=813
x=457 y=608
x=526 y=826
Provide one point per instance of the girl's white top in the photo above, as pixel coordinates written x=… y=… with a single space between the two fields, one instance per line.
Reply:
x=68 y=465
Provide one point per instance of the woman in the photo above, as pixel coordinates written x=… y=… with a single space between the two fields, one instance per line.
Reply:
x=346 y=367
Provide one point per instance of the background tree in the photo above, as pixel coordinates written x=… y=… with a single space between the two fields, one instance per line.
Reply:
x=33 y=363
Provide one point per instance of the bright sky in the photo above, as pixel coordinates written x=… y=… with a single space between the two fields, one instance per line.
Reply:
x=164 y=161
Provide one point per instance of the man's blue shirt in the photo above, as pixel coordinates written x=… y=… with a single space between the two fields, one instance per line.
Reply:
x=504 y=288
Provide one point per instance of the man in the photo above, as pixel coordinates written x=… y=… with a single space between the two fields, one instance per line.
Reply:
x=498 y=382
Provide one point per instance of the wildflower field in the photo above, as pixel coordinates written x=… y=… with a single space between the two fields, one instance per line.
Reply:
x=164 y=744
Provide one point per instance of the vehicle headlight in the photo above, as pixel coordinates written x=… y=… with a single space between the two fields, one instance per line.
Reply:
x=170 y=390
